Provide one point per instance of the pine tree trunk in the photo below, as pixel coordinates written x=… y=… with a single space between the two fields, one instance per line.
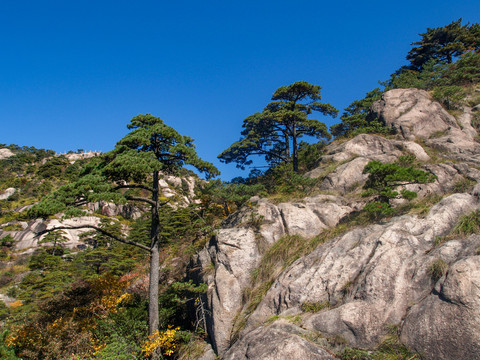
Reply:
x=294 y=145
x=153 y=291
x=154 y=262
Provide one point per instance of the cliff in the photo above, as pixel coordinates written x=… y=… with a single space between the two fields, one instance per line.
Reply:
x=302 y=280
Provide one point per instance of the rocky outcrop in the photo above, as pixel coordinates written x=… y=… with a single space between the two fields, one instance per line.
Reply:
x=7 y=193
x=368 y=279
x=369 y=276
x=72 y=157
x=237 y=248
x=446 y=325
x=128 y=211
x=415 y=115
x=26 y=239
x=277 y=341
x=5 y=153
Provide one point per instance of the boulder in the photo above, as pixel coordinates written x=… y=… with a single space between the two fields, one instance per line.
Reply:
x=274 y=342
x=7 y=193
x=26 y=240
x=413 y=113
x=446 y=324
x=5 y=153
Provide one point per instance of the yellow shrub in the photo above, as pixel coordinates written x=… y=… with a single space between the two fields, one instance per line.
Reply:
x=165 y=340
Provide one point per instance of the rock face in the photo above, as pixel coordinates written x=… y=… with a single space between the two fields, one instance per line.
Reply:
x=5 y=153
x=369 y=278
x=7 y=193
x=414 y=114
x=450 y=313
x=26 y=240
x=277 y=341
x=79 y=156
x=235 y=251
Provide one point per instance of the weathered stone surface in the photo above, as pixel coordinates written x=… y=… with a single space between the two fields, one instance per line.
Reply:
x=234 y=254
x=128 y=211
x=275 y=342
x=79 y=156
x=352 y=156
x=7 y=193
x=5 y=153
x=364 y=145
x=230 y=257
x=369 y=275
x=413 y=113
x=446 y=325
x=347 y=176
x=26 y=240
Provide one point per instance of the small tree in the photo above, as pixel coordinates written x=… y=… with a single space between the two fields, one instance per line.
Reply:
x=275 y=132
x=444 y=43
x=384 y=179
x=151 y=148
x=355 y=118
x=56 y=238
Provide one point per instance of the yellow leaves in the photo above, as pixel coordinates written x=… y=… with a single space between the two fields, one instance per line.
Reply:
x=165 y=340
x=97 y=345
x=16 y=304
x=112 y=301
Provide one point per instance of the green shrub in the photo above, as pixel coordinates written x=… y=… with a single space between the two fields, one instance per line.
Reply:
x=468 y=224
x=450 y=96
x=437 y=269
x=314 y=307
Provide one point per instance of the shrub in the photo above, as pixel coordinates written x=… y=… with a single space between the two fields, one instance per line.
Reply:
x=468 y=224
x=450 y=96
x=437 y=269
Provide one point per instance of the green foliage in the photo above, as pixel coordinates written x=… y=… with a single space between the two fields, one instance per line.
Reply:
x=314 y=307
x=309 y=155
x=152 y=146
x=54 y=167
x=444 y=43
x=450 y=96
x=105 y=255
x=437 y=269
x=275 y=133
x=429 y=75
x=356 y=119
x=55 y=239
x=377 y=210
x=384 y=179
x=6 y=352
x=468 y=224
x=222 y=199
x=283 y=183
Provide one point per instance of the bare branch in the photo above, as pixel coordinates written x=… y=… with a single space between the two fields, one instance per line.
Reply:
x=100 y=230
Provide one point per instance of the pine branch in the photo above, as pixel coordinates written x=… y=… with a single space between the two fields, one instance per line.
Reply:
x=100 y=230
x=133 y=186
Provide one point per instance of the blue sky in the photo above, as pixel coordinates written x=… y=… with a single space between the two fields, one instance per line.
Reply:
x=73 y=73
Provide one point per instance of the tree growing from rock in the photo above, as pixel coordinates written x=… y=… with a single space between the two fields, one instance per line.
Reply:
x=355 y=119
x=384 y=180
x=275 y=132
x=131 y=172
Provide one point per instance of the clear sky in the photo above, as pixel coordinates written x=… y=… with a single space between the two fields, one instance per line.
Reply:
x=73 y=73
